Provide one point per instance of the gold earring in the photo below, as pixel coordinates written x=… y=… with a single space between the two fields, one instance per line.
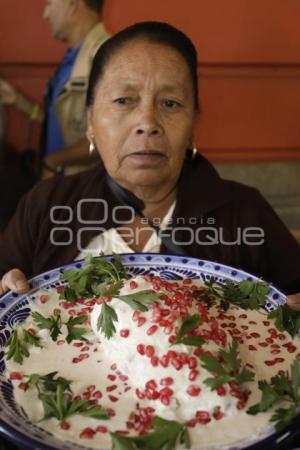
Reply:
x=91 y=148
x=191 y=153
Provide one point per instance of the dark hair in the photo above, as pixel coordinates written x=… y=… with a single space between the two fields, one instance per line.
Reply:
x=158 y=32
x=95 y=5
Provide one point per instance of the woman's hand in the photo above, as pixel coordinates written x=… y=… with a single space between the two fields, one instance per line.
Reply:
x=15 y=281
x=294 y=301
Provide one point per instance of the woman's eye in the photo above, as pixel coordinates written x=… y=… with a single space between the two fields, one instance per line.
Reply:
x=120 y=100
x=171 y=103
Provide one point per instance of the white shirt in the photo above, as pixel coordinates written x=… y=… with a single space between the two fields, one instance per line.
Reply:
x=110 y=241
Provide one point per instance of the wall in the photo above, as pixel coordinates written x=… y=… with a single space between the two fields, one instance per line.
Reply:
x=249 y=67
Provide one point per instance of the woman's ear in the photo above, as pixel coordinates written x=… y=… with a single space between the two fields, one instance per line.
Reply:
x=89 y=131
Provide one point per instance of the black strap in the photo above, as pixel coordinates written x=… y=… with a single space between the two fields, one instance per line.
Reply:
x=129 y=199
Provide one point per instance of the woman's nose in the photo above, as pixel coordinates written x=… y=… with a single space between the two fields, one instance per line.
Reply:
x=148 y=123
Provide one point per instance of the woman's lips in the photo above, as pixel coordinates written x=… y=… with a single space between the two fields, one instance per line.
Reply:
x=146 y=157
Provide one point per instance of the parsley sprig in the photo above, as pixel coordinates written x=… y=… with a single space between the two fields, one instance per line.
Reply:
x=230 y=369
x=246 y=294
x=286 y=319
x=282 y=387
x=188 y=325
x=138 y=300
x=93 y=279
x=18 y=344
x=54 y=325
x=166 y=434
x=55 y=394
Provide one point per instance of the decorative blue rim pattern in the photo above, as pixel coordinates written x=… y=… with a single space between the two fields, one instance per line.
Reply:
x=14 y=309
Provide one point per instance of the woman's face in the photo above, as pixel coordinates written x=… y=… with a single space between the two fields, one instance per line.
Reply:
x=143 y=113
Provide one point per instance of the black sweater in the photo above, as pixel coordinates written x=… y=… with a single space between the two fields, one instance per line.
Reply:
x=213 y=219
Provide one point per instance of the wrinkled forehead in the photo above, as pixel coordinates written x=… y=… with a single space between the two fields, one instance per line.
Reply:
x=139 y=58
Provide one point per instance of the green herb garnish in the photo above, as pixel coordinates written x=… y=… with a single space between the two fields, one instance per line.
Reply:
x=189 y=324
x=283 y=387
x=52 y=323
x=230 y=369
x=106 y=319
x=55 y=394
x=165 y=436
x=18 y=344
x=93 y=278
x=286 y=319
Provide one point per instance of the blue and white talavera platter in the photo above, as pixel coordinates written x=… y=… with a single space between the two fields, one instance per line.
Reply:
x=15 y=426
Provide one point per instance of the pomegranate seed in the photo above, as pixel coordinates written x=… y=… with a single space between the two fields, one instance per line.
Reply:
x=203 y=417
x=59 y=289
x=23 y=386
x=172 y=339
x=164 y=361
x=177 y=363
x=269 y=340
x=192 y=362
x=85 y=349
x=141 y=321
x=78 y=344
x=152 y=330
x=149 y=351
x=151 y=384
x=111 y=388
x=171 y=354
x=15 y=376
x=275 y=352
x=221 y=391
x=32 y=331
x=263 y=344
x=112 y=398
x=218 y=415
x=133 y=285
x=193 y=390
x=97 y=394
x=279 y=360
x=44 y=298
x=111 y=377
x=243 y=316
x=87 y=433
x=291 y=349
x=76 y=360
x=166 y=392
x=192 y=423
x=241 y=404
x=60 y=342
x=166 y=381
x=65 y=426
x=91 y=388
x=101 y=429
x=252 y=348
x=136 y=315
x=255 y=335
x=141 y=349
x=193 y=375
x=154 y=361
x=111 y=412
x=270 y=363
x=165 y=400
x=140 y=394
x=86 y=395
x=266 y=323
x=83 y=356
x=281 y=336
x=124 y=333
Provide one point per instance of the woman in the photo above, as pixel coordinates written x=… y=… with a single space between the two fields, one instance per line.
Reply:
x=142 y=103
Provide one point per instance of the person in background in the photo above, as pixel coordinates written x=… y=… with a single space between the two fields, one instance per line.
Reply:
x=64 y=147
